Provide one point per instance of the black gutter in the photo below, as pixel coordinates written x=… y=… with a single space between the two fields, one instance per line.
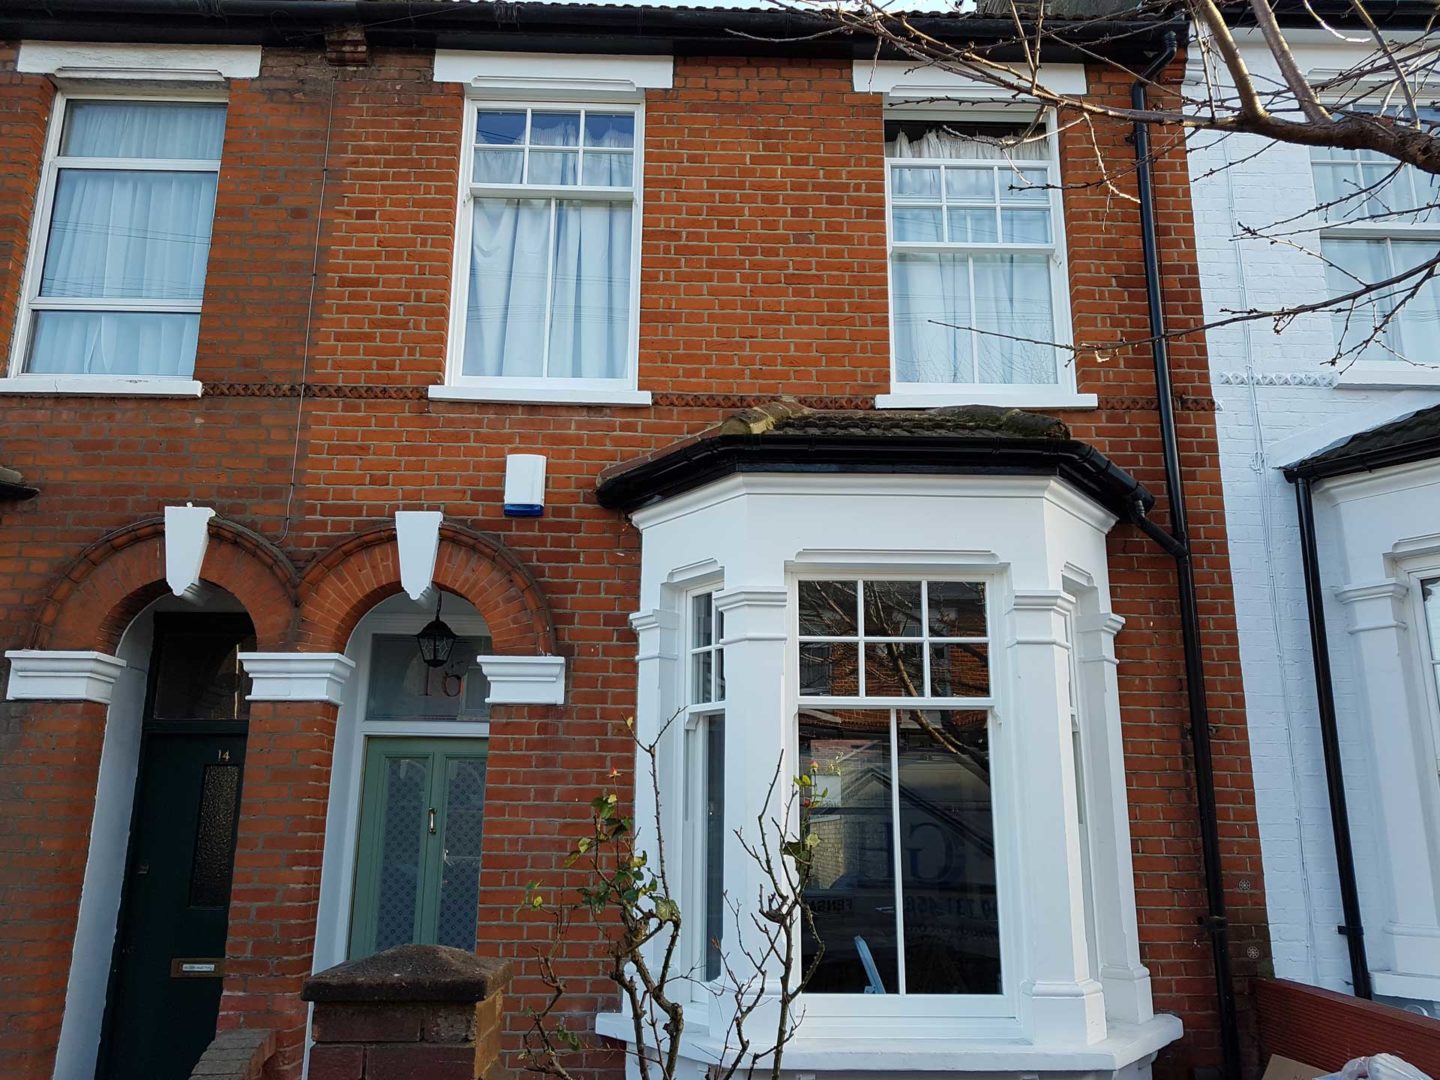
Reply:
x=536 y=27
x=1215 y=921
x=1353 y=928
x=708 y=459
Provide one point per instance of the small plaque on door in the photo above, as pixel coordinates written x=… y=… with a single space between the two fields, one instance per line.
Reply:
x=197 y=967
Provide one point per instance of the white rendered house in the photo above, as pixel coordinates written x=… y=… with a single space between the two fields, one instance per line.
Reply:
x=1357 y=433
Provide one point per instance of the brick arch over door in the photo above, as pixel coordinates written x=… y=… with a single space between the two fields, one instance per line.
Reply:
x=117 y=576
x=340 y=587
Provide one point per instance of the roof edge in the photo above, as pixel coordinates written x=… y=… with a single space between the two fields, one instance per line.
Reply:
x=703 y=462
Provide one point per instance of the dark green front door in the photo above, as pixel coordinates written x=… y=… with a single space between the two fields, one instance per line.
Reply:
x=169 y=957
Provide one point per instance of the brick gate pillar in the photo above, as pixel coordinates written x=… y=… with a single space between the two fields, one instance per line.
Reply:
x=275 y=895
x=45 y=841
x=415 y=1010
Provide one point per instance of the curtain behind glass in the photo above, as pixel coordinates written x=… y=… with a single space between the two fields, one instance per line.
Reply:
x=584 y=270
x=143 y=129
x=942 y=144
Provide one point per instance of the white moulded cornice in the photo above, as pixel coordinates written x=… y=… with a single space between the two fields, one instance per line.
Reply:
x=297 y=676
x=554 y=75
x=912 y=80
x=524 y=680
x=187 y=538
x=132 y=62
x=62 y=675
x=417 y=535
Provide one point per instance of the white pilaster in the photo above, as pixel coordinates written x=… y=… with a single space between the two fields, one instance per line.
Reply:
x=62 y=675
x=1405 y=763
x=1125 y=979
x=297 y=676
x=757 y=738
x=1063 y=1001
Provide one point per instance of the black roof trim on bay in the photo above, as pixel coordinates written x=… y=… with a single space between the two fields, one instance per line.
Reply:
x=538 y=27
x=1411 y=438
x=834 y=443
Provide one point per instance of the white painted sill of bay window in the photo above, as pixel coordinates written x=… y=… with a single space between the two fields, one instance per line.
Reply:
x=1015 y=397
x=103 y=385
x=889 y=1051
x=549 y=395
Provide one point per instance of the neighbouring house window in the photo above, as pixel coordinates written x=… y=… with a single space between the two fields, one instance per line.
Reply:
x=125 y=237
x=552 y=239
x=976 y=281
x=1380 y=219
x=894 y=730
x=705 y=785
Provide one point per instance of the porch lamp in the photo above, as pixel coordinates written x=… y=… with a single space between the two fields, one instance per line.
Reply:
x=436 y=640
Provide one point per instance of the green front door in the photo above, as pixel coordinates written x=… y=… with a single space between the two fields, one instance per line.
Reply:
x=418 y=867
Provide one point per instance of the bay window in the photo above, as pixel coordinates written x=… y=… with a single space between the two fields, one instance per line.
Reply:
x=548 y=239
x=977 y=274
x=904 y=892
x=118 y=270
x=1380 y=219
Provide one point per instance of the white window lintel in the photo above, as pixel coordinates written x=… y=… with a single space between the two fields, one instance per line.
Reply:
x=139 y=63
x=62 y=675
x=902 y=79
x=543 y=75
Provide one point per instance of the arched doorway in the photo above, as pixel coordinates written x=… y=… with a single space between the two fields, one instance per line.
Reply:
x=178 y=736
x=407 y=793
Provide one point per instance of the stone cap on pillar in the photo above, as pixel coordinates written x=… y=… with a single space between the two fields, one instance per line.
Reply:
x=410 y=973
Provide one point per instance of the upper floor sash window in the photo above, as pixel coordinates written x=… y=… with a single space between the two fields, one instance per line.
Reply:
x=127 y=205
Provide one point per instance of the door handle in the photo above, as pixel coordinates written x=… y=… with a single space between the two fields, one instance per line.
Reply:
x=432 y=821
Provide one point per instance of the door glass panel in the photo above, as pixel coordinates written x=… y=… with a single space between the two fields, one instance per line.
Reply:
x=402 y=839
x=200 y=676
x=404 y=687
x=211 y=865
x=947 y=853
x=460 y=868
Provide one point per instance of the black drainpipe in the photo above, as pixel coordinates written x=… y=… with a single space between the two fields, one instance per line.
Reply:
x=1352 y=929
x=1177 y=544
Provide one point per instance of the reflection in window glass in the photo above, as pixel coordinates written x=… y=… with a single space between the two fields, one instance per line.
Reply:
x=917 y=639
x=404 y=687
x=904 y=889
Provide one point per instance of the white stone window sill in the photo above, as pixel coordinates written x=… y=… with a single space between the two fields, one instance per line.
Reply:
x=1009 y=397
x=1394 y=376
x=102 y=385
x=528 y=396
x=889 y=1052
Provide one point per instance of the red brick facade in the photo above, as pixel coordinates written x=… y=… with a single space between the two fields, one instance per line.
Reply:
x=763 y=273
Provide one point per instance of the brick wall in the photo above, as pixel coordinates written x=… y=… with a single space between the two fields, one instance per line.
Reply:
x=764 y=272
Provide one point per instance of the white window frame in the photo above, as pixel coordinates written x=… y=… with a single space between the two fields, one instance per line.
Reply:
x=18 y=380
x=1429 y=658
x=1394 y=373
x=930 y=1015
x=697 y=717
x=462 y=387
x=1063 y=393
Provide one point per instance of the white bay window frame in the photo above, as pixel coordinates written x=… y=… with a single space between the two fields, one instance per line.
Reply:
x=1059 y=394
x=1049 y=628
x=621 y=390
x=19 y=380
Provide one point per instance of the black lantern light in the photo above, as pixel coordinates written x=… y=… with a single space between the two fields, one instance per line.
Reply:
x=436 y=640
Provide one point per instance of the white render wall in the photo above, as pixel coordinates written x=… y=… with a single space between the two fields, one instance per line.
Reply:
x=1279 y=401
